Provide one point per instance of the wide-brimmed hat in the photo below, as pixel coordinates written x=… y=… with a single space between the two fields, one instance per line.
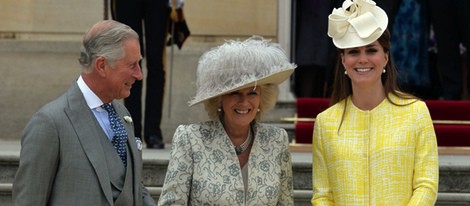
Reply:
x=240 y=64
x=357 y=23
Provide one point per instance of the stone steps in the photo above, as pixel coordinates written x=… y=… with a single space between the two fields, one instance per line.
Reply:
x=302 y=197
x=454 y=182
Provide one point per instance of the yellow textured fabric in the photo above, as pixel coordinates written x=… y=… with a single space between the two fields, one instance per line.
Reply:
x=386 y=156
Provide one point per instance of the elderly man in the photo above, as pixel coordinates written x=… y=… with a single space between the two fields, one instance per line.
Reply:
x=80 y=149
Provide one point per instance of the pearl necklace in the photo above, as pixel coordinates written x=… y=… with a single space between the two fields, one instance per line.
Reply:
x=244 y=146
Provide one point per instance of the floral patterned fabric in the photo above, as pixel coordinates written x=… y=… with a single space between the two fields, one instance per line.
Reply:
x=204 y=168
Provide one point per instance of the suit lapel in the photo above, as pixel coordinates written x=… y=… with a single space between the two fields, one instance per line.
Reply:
x=81 y=118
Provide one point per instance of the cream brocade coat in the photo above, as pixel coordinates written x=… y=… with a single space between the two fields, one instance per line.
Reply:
x=386 y=156
x=204 y=168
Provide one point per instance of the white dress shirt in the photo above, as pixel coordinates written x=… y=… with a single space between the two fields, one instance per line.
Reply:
x=94 y=103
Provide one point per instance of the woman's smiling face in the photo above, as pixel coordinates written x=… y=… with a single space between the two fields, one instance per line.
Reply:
x=240 y=107
x=365 y=65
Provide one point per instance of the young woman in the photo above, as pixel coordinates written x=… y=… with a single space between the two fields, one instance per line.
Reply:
x=376 y=145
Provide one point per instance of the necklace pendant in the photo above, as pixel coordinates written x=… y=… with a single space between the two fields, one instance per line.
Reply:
x=238 y=150
x=244 y=146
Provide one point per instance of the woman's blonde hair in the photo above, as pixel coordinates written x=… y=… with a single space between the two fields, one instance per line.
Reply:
x=268 y=93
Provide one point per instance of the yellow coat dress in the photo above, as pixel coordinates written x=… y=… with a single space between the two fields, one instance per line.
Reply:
x=385 y=156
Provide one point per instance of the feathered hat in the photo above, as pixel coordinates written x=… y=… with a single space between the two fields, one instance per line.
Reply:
x=237 y=65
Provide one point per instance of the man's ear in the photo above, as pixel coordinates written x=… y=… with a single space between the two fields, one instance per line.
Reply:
x=100 y=66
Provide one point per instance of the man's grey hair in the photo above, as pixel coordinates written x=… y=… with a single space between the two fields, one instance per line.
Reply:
x=104 y=39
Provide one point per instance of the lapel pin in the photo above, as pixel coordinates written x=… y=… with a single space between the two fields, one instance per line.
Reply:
x=128 y=119
x=139 y=143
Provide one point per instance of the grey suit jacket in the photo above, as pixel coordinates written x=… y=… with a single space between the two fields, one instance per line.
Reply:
x=62 y=161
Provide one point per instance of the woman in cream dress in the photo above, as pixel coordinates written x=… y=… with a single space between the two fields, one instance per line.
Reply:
x=233 y=159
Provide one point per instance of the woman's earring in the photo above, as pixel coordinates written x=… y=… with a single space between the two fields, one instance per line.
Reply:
x=258 y=110
x=384 y=71
x=345 y=72
x=219 y=109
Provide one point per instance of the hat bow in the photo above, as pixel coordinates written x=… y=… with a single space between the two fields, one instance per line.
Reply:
x=358 y=14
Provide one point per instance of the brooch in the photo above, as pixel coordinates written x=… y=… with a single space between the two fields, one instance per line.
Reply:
x=128 y=119
x=139 y=143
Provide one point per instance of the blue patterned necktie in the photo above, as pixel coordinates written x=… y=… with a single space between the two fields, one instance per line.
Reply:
x=120 y=135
